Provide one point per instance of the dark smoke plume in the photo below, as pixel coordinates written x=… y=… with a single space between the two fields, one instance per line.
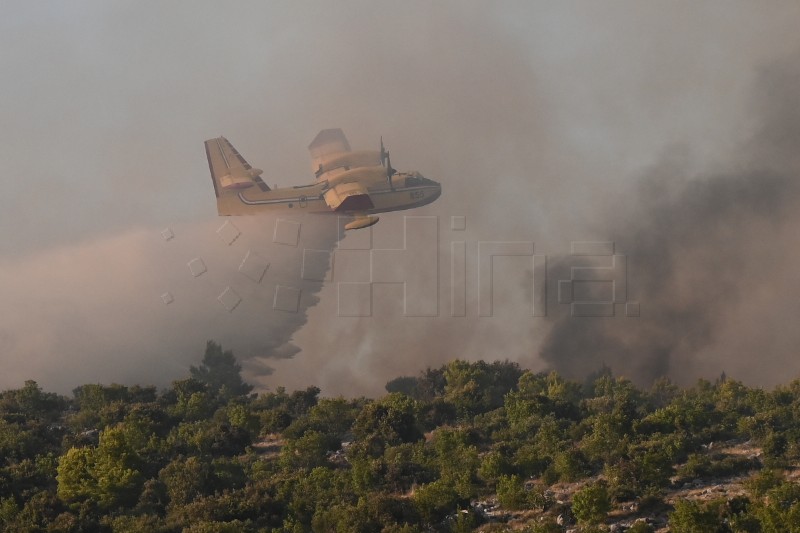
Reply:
x=711 y=259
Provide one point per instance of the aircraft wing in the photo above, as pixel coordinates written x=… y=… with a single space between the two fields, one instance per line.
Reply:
x=229 y=170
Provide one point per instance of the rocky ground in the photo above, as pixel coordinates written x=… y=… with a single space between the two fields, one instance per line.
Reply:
x=624 y=514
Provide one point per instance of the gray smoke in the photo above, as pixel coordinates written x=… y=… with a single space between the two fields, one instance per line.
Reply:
x=545 y=122
x=263 y=274
x=713 y=259
x=135 y=307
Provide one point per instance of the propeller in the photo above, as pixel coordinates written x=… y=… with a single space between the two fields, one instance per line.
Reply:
x=387 y=162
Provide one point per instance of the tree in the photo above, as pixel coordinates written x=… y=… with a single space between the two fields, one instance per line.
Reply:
x=591 y=504
x=404 y=384
x=436 y=500
x=36 y=513
x=493 y=465
x=511 y=492
x=691 y=517
x=571 y=465
x=117 y=469
x=186 y=479
x=774 y=447
x=75 y=482
x=98 y=405
x=209 y=437
x=780 y=511
x=765 y=480
x=220 y=371
x=386 y=422
x=333 y=416
x=31 y=403
x=108 y=475
x=190 y=399
x=479 y=387
x=457 y=460
x=309 y=451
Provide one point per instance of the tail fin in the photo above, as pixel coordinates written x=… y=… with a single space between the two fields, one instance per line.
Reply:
x=229 y=170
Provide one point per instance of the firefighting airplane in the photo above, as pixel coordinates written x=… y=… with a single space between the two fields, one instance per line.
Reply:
x=352 y=183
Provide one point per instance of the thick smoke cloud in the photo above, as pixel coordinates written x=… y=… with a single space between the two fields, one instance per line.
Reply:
x=713 y=258
x=544 y=122
x=707 y=227
x=137 y=307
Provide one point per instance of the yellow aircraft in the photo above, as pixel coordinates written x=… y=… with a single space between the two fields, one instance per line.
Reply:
x=352 y=183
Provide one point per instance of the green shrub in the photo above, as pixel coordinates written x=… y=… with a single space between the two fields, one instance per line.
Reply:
x=511 y=492
x=591 y=504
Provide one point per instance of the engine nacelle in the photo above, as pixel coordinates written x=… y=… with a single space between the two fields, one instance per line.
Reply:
x=347 y=160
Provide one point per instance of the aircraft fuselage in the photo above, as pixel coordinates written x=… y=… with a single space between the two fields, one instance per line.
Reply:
x=310 y=198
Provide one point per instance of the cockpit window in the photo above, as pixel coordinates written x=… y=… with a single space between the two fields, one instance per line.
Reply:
x=416 y=179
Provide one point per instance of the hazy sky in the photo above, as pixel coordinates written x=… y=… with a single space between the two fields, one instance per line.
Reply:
x=540 y=119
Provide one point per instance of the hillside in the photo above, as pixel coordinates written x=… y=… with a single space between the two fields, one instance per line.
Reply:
x=468 y=446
